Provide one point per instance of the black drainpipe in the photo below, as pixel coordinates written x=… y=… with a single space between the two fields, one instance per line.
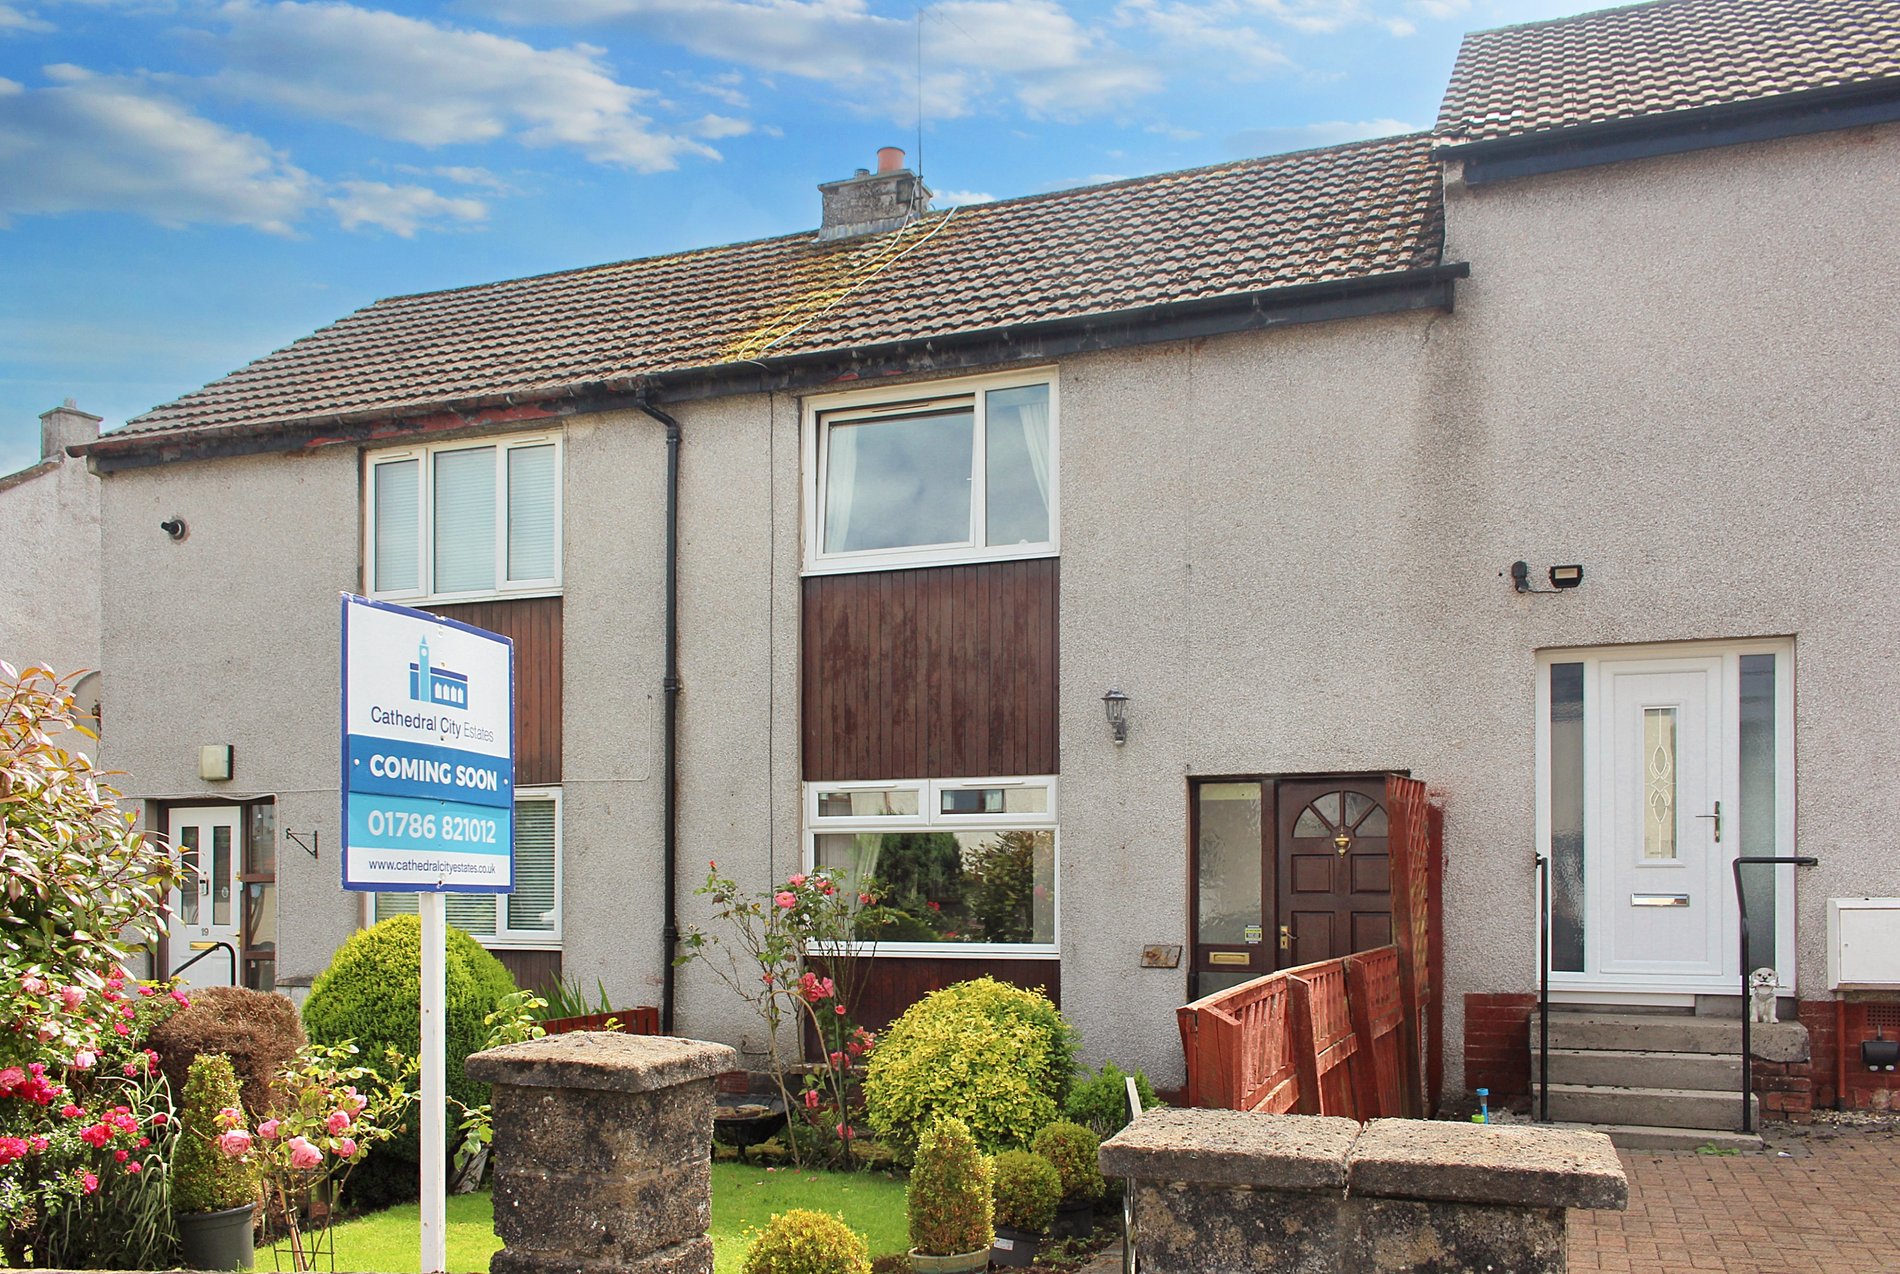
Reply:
x=669 y=928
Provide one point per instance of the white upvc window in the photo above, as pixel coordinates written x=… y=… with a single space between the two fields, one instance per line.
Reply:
x=463 y=521
x=531 y=915
x=957 y=867
x=928 y=475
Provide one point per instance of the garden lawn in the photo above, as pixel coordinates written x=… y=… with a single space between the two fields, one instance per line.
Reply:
x=744 y=1199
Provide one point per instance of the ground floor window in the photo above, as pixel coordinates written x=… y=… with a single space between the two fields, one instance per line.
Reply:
x=959 y=865
x=531 y=915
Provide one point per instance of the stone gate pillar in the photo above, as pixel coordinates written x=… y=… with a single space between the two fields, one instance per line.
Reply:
x=603 y=1152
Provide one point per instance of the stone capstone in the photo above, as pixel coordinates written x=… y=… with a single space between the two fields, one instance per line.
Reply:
x=1486 y=1163
x=1233 y=1147
x=602 y=1059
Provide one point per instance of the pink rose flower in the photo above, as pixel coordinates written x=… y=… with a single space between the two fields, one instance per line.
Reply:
x=85 y=1060
x=337 y=1122
x=88 y=1182
x=811 y=1099
x=70 y=1111
x=235 y=1143
x=303 y=1154
x=72 y=997
x=33 y=985
x=11 y=1078
x=798 y=880
x=181 y=997
x=268 y=1129
x=845 y=1132
x=346 y=1148
x=132 y=1168
x=786 y=899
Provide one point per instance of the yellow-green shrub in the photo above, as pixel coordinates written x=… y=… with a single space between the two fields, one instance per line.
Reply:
x=996 y=1056
x=802 y=1241
x=951 y=1211
x=204 y=1178
x=1070 y=1149
x=1027 y=1189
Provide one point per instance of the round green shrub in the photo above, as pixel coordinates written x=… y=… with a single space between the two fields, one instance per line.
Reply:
x=806 y=1242
x=1027 y=1189
x=1100 y=1101
x=996 y=1056
x=204 y=1178
x=1070 y=1149
x=951 y=1211
x=257 y=1030
x=371 y=994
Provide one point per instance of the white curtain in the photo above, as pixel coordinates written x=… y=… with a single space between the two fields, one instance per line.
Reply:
x=1035 y=420
x=841 y=477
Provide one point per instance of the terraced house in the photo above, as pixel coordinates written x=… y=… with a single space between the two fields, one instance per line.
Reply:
x=1545 y=459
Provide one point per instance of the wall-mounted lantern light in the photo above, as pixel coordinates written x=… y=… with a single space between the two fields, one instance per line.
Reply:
x=1561 y=577
x=216 y=762
x=1117 y=704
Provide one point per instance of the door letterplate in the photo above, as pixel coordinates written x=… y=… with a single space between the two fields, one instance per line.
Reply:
x=1659 y=900
x=1227 y=957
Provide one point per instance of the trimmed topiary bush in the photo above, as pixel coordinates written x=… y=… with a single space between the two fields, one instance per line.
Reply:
x=1100 y=1101
x=951 y=1211
x=258 y=1031
x=996 y=1056
x=1070 y=1149
x=802 y=1241
x=370 y=994
x=204 y=1178
x=1027 y=1189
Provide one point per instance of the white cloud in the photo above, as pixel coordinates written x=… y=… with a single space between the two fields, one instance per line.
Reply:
x=462 y=175
x=401 y=210
x=959 y=198
x=91 y=143
x=1206 y=28
x=12 y=19
x=403 y=78
x=717 y=126
x=1272 y=141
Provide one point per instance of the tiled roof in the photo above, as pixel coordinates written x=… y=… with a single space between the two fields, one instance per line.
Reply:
x=1343 y=213
x=1647 y=60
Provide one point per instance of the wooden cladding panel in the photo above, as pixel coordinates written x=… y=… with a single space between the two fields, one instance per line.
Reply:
x=534 y=624
x=942 y=672
x=893 y=983
x=537 y=971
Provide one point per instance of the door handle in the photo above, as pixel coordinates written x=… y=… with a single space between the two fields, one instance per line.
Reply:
x=1286 y=937
x=1717 y=816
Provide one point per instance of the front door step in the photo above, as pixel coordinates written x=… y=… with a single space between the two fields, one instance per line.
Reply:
x=1633 y=1137
x=1649 y=1107
x=1611 y=1068
x=1661 y=1033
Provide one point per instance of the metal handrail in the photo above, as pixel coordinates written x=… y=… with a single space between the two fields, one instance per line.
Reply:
x=1748 y=1036
x=206 y=949
x=1543 y=987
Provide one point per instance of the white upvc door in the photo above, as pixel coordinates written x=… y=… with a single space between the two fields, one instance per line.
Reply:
x=207 y=905
x=1661 y=865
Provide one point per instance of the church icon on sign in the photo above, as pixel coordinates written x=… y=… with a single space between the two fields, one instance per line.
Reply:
x=436 y=686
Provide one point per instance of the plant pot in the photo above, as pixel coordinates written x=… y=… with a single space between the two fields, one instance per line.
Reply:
x=1014 y=1249
x=1075 y=1219
x=961 y=1263
x=218 y=1240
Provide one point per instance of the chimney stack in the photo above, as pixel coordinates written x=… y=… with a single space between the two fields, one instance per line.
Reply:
x=65 y=426
x=871 y=203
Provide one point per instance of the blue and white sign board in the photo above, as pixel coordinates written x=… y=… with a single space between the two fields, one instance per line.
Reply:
x=428 y=753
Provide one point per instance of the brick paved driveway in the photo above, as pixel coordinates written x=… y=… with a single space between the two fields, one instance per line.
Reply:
x=1821 y=1200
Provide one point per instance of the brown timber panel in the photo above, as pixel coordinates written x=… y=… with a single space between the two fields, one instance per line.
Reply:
x=942 y=672
x=894 y=983
x=538 y=971
x=534 y=624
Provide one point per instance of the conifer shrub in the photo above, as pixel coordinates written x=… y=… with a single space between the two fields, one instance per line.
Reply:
x=1100 y=1101
x=204 y=1178
x=257 y=1030
x=996 y=1056
x=951 y=1210
x=371 y=994
x=1027 y=1189
x=1070 y=1149
x=803 y=1241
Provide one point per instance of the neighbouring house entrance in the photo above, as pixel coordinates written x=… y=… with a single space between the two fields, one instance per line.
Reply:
x=227 y=891
x=1286 y=871
x=1659 y=765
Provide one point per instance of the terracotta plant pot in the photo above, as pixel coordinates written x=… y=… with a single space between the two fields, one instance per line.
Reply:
x=961 y=1263
x=218 y=1240
x=1014 y=1249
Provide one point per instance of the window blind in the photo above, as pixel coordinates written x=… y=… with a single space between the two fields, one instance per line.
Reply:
x=465 y=520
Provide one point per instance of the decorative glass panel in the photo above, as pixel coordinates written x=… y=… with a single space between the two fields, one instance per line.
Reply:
x=465 y=520
x=1357 y=806
x=188 y=882
x=894 y=803
x=221 y=875
x=1228 y=864
x=532 y=551
x=1566 y=817
x=260 y=847
x=1310 y=824
x=898 y=482
x=1374 y=824
x=957 y=887
x=1016 y=429
x=532 y=905
x=1659 y=783
x=398 y=527
x=995 y=800
x=1760 y=818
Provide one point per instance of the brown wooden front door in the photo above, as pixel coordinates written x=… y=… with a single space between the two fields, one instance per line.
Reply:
x=1272 y=884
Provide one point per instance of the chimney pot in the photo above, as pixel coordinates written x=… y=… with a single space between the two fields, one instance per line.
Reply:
x=872 y=203
x=889 y=159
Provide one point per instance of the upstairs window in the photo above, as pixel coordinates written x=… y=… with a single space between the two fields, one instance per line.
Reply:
x=966 y=474
x=465 y=520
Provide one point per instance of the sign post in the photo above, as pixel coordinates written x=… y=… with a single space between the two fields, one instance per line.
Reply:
x=428 y=806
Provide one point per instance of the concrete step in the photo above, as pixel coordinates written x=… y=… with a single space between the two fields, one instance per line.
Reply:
x=1647 y=1107
x=1618 y=1068
x=1667 y=1033
x=1633 y=1137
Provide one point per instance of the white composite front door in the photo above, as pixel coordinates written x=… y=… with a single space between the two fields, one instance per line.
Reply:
x=1662 y=870
x=206 y=906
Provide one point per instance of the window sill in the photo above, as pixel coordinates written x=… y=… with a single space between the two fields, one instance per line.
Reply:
x=465 y=599
x=517 y=943
x=958 y=950
x=863 y=563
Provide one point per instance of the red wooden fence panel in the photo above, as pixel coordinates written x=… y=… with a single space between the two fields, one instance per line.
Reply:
x=1325 y=1050
x=1239 y=1049
x=1378 y=1019
x=1414 y=867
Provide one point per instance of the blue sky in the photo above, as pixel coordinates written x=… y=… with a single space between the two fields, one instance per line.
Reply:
x=188 y=184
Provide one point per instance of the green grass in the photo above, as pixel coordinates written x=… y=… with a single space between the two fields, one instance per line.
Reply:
x=744 y=1199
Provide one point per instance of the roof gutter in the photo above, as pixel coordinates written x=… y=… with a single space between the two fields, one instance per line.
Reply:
x=1395 y=292
x=1703 y=128
x=669 y=748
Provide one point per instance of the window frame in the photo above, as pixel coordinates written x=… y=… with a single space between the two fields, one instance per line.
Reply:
x=424 y=454
x=931 y=820
x=887 y=401
x=505 y=938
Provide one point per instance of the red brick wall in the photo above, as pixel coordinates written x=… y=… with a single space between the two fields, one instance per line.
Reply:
x=1865 y=1090
x=1497 y=1044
